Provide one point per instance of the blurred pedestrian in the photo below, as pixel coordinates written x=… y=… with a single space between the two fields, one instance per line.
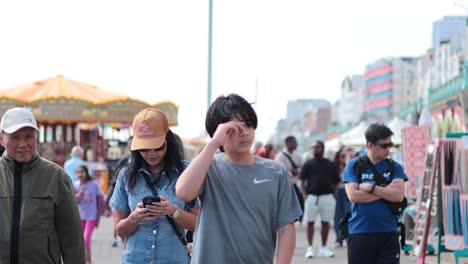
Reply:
x=125 y=160
x=270 y=151
x=40 y=221
x=91 y=204
x=154 y=231
x=342 y=204
x=320 y=179
x=76 y=160
x=293 y=163
x=248 y=203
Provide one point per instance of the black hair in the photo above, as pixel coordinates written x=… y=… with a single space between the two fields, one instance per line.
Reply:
x=172 y=160
x=224 y=108
x=376 y=132
x=85 y=168
x=320 y=142
x=290 y=139
x=336 y=158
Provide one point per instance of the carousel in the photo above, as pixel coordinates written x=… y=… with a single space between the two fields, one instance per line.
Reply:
x=71 y=113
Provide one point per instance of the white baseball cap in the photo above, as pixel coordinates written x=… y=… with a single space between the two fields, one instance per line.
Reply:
x=16 y=118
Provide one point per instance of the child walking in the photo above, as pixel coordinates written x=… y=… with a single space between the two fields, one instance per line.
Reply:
x=90 y=202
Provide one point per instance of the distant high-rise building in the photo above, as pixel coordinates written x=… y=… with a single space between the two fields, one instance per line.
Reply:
x=318 y=120
x=445 y=29
x=304 y=117
x=447 y=62
x=349 y=107
x=378 y=92
x=405 y=83
x=298 y=108
x=390 y=84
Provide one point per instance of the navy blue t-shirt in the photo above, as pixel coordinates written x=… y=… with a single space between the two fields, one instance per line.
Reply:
x=372 y=217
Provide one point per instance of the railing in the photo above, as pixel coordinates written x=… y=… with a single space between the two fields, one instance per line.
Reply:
x=450 y=88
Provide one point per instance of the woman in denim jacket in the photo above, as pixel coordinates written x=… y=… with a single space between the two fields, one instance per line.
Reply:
x=156 y=153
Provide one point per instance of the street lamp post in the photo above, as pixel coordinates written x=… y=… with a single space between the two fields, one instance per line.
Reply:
x=210 y=47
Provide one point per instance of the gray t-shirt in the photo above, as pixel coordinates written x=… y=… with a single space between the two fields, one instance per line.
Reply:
x=242 y=207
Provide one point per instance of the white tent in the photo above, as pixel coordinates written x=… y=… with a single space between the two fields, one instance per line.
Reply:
x=355 y=136
x=359 y=141
x=333 y=144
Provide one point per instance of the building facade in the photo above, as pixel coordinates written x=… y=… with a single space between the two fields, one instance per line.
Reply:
x=378 y=90
x=447 y=28
x=349 y=108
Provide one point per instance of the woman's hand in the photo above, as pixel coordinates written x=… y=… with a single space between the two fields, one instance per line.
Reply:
x=165 y=207
x=141 y=214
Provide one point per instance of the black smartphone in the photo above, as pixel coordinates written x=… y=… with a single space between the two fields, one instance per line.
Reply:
x=149 y=200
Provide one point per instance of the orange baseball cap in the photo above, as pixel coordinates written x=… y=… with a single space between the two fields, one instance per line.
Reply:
x=150 y=127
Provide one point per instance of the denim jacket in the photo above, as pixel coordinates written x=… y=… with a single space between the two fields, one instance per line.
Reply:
x=155 y=241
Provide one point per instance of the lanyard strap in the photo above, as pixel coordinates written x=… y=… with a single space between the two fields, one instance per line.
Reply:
x=169 y=219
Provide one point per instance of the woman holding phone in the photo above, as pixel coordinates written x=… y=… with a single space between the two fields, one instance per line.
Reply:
x=157 y=161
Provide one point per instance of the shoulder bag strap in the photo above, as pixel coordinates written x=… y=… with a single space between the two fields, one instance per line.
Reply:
x=169 y=219
x=291 y=160
x=378 y=177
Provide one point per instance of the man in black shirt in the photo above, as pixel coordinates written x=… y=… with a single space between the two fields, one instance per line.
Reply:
x=319 y=181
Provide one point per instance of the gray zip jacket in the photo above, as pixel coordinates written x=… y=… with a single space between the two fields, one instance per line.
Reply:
x=50 y=224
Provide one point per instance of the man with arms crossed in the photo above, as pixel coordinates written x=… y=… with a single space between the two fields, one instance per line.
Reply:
x=246 y=200
x=373 y=236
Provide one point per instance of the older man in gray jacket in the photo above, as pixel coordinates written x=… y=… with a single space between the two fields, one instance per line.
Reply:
x=39 y=217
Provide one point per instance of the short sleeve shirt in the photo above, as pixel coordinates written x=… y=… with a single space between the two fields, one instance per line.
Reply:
x=242 y=208
x=281 y=158
x=155 y=241
x=373 y=217
x=320 y=176
x=88 y=203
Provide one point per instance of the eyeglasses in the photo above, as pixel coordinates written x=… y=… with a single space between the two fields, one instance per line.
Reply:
x=385 y=145
x=161 y=148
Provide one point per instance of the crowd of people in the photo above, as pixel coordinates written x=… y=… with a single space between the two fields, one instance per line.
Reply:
x=241 y=205
x=319 y=186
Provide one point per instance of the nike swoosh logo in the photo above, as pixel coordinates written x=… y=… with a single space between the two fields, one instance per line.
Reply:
x=255 y=181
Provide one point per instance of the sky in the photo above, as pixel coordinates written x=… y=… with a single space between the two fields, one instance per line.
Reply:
x=268 y=51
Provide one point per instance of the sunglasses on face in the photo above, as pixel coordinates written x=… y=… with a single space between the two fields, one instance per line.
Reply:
x=157 y=150
x=385 y=145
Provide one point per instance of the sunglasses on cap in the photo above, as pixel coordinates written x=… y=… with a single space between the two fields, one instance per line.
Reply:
x=385 y=145
x=161 y=148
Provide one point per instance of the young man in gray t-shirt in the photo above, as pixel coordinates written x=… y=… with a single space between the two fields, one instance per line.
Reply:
x=247 y=203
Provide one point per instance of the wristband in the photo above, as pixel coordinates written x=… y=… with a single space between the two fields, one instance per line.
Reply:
x=372 y=189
